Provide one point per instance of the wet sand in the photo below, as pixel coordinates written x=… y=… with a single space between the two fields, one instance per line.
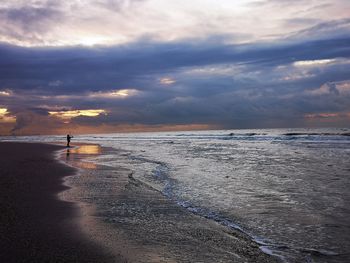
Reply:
x=35 y=226
x=122 y=211
x=107 y=215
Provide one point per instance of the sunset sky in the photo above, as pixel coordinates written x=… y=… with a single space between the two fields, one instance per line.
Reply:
x=99 y=66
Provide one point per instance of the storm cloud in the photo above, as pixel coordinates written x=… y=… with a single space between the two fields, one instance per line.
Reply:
x=211 y=81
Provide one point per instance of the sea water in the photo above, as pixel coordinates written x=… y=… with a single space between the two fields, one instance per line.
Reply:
x=288 y=189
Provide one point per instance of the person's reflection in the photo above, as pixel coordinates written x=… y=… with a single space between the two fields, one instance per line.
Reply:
x=67 y=154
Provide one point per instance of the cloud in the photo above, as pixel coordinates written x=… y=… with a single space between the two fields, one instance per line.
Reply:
x=30 y=22
x=5 y=93
x=252 y=85
x=70 y=114
x=155 y=64
x=329 y=29
x=109 y=68
x=167 y=81
x=29 y=18
x=335 y=88
x=327 y=118
x=6 y=117
x=114 y=94
x=110 y=22
x=310 y=63
x=322 y=115
x=118 y=5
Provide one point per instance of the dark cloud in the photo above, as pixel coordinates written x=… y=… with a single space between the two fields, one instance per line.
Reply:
x=29 y=18
x=29 y=22
x=77 y=69
x=203 y=80
x=325 y=30
x=252 y=85
x=302 y=21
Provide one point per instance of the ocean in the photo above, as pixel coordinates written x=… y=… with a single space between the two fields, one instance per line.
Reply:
x=287 y=189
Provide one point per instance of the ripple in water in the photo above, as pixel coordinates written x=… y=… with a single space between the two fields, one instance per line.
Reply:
x=287 y=189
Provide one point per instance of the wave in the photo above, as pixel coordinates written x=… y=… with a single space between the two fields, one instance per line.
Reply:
x=315 y=134
x=160 y=173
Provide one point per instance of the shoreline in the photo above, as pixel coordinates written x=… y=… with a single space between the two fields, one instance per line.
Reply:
x=121 y=209
x=61 y=217
x=35 y=225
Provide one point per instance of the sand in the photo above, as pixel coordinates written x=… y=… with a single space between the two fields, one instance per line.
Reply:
x=124 y=212
x=34 y=225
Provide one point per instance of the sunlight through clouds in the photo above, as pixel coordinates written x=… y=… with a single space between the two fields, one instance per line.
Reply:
x=120 y=63
x=5 y=93
x=122 y=93
x=167 y=81
x=67 y=115
x=5 y=116
x=310 y=63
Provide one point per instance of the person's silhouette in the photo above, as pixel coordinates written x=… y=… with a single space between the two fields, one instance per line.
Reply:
x=68 y=139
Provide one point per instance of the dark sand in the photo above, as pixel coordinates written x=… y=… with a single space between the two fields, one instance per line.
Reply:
x=34 y=225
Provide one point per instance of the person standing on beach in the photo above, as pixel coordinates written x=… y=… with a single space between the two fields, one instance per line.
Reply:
x=68 y=139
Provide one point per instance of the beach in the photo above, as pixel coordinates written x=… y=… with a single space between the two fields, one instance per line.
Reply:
x=175 y=131
x=50 y=214
x=35 y=225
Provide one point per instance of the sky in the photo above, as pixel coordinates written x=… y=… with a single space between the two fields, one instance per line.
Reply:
x=101 y=66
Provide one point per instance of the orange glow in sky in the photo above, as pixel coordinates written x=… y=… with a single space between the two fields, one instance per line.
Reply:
x=67 y=115
x=322 y=115
x=5 y=116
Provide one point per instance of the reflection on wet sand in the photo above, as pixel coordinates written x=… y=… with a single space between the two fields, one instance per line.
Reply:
x=87 y=165
x=132 y=219
x=74 y=156
x=86 y=149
